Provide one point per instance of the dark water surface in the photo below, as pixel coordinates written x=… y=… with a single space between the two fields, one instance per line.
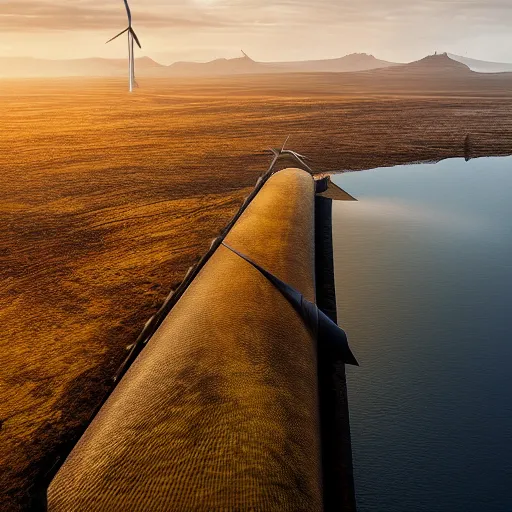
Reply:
x=424 y=283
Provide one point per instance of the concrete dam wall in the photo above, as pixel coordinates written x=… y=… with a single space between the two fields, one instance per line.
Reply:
x=221 y=410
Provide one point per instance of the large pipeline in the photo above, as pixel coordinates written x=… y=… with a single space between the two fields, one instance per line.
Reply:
x=221 y=410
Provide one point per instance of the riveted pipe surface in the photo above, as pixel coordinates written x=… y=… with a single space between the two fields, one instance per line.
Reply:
x=220 y=411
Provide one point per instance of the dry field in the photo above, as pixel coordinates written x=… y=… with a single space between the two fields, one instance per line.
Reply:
x=107 y=199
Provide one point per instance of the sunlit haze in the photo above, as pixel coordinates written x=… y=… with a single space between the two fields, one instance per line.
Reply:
x=173 y=30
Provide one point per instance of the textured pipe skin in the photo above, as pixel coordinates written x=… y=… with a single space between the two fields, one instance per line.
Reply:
x=220 y=411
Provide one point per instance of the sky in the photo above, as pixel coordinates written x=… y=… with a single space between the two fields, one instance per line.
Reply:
x=200 y=30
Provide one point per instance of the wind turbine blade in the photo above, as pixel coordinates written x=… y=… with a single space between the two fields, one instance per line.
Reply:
x=305 y=158
x=128 y=12
x=120 y=34
x=287 y=138
x=305 y=166
x=132 y=32
x=298 y=155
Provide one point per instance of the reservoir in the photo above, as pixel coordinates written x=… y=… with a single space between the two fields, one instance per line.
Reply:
x=423 y=265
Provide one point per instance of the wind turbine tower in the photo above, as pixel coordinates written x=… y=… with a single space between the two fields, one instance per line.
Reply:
x=132 y=36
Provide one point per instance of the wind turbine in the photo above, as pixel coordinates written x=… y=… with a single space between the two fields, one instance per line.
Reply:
x=281 y=152
x=132 y=36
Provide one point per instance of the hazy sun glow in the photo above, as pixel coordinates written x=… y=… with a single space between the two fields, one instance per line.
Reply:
x=172 y=30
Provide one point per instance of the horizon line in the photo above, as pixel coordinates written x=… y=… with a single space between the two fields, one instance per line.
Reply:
x=241 y=57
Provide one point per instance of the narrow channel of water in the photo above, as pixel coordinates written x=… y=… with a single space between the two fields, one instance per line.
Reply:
x=424 y=284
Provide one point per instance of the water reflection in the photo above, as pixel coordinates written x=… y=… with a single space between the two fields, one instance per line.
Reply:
x=424 y=284
x=399 y=211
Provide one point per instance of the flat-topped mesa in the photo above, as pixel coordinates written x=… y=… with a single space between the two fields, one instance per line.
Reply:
x=220 y=411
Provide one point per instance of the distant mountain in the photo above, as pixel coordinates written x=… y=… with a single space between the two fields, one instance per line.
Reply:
x=431 y=65
x=239 y=66
x=246 y=65
x=30 y=67
x=482 y=66
x=349 y=63
x=146 y=67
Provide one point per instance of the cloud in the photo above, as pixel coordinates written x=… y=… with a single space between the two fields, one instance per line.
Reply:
x=39 y=15
x=363 y=11
x=31 y=16
x=393 y=29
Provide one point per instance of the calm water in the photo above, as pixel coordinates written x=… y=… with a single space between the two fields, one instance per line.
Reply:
x=424 y=282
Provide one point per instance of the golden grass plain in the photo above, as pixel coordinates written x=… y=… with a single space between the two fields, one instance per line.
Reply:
x=107 y=198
